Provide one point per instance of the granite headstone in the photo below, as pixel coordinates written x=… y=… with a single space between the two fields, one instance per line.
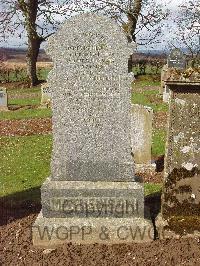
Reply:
x=92 y=183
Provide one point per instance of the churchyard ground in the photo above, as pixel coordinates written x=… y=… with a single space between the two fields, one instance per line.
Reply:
x=26 y=143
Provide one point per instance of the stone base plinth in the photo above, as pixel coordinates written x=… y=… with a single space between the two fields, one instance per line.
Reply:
x=52 y=232
x=68 y=199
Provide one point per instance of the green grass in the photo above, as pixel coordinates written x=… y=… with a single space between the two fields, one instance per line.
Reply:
x=150 y=98
x=147 y=80
x=152 y=188
x=25 y=114
x=146 y=83
x=150 y=70
x=21 y=76
x=25 y=162
x=158 y=142
x=19 y=90
x=27 y=101
x=43 y=73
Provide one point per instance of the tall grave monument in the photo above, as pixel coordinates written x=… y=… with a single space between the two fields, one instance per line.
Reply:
x=91 y=195
x=181 y=188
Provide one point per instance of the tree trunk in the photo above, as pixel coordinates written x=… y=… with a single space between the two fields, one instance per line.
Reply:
x=133 y=15
x=31 y=57
x=30 y=9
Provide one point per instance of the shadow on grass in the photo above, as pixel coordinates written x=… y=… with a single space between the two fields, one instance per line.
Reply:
x=152 y=203
x=22 y=204
x=19 y=205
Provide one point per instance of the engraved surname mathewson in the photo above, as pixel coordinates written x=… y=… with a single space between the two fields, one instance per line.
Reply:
x=100 y=206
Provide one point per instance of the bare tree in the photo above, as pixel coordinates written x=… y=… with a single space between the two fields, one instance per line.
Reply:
x=39 y=18
x=134 y=16
x=187 y=35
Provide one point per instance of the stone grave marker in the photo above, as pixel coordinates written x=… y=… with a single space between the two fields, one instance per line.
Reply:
x=141 y=136
x=92 y=195
x=3 y=99
x=181 y=191
x=45 y=95
x=166 y=94
x=164 y=90
x=163 y=73
x=176 y=59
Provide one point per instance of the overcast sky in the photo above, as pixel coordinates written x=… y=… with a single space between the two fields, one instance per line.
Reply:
x=17 y=41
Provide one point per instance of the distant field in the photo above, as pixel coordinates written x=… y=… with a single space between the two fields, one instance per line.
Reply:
x=19 y=55
x=17 y=71
x=13 y=65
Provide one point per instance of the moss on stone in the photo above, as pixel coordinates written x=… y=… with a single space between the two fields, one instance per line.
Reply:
x=178 y=174
x=182 y=225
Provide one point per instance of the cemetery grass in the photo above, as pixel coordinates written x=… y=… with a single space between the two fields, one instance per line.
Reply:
x=147 y=80
x=22 y=173
x=25 y=113
x=158 y=142
x=24 y=103
x=25 y=164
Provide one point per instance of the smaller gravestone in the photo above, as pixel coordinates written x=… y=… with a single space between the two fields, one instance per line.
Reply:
x=45 y=95
x=176 y=59
x=163 y=72
x=141 y=136
x=164 y=90
x=166 y=94
x=3 y=99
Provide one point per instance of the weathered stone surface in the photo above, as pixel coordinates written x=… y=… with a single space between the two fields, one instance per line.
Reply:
x=91 y=101
x=45 y=95
x=177 y=76
x=92 y=199
x=141 y=133
x=90 y=231
x=3 y=99
x=181 y=193
x=184 y=127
